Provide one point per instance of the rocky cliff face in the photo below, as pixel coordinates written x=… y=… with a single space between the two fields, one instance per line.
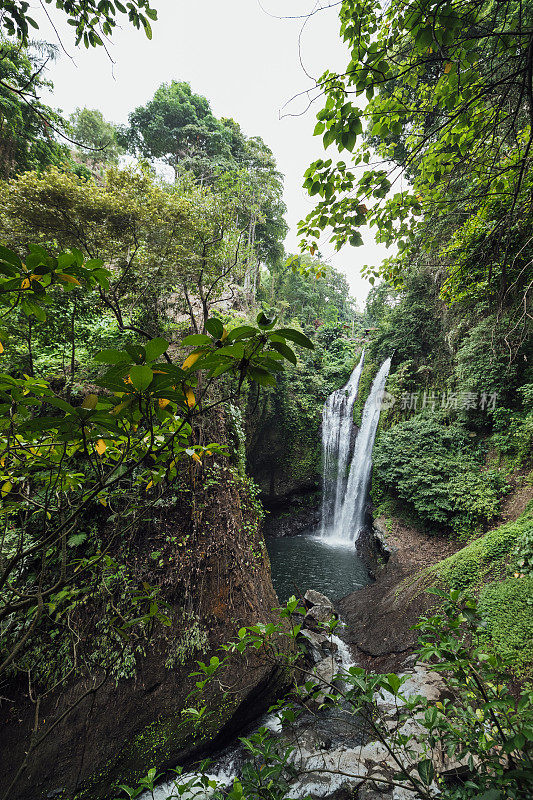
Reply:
x=214 y=573
x=379 y=618
x=283 y=444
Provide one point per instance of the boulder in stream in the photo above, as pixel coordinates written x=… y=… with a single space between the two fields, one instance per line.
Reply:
x=314 y=598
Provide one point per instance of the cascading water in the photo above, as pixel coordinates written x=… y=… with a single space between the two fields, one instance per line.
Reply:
x=352 y=517
x=337 y=422
x=347 y=519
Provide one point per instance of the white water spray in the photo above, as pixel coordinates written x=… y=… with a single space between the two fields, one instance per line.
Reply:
x=337 y=425
x=343 y=522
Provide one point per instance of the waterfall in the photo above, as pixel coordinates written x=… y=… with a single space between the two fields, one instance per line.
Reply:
x=344 y=519
x=337 y=424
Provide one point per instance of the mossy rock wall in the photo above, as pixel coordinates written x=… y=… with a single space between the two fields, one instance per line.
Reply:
x=115 y=731
x=489 y=567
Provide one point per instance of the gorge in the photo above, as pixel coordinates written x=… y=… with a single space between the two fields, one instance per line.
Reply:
x=266 y=499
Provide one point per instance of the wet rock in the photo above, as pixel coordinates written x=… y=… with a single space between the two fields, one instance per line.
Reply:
x=423 y=680
x=295 y=523
x=420 y=680
x=379 y=785
x=402 y=793
x=322 y=779
x=316 y=615
x=318 y=645
x=314 y=598
x=373 y=753
x=325 y=670
x=370 y=791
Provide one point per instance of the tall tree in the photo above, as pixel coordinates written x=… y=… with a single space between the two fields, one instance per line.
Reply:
x=27 y=125
x=178 y=127
x=96 y=139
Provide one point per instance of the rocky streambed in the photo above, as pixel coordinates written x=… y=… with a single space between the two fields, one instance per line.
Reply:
x=334 y=752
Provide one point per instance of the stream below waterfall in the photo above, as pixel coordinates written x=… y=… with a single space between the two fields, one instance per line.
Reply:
x=312 y=735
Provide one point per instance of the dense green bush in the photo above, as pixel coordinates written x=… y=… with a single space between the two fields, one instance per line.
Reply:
x=434 y=468
x=498 y=568
x=483 y=363
x=507 y=608
x=513 y=436
x=485 y=557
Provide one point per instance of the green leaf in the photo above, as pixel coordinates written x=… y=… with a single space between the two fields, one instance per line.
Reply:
x=214 y=327
x=263 y=321
x=285 y=351
x=242 y=332
x=141 y=377
x=394 y=682
x=155 y=347
x=59 y=403
x=296 y=337
x=195 y=339
x=137 y=353
x=10 y=257
x=235 y=350
x=261 y=376
x=426 y=770
x=147 y=28
x=112 y=357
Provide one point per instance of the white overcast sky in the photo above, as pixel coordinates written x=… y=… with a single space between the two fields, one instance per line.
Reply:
x=245 y=61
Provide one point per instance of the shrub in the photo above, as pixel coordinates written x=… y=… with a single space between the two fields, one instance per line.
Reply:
x=434 y=468
x=507 y=607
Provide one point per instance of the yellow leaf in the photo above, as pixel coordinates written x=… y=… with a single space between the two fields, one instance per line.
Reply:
x=208 y=453
x=90 y=401
x=148 y=485
x=68 y=278
x=190 y=360
x=224 y=335
x=103 y=501
x=191 y=400
x=197 y=458
x=1 y=347
x=100 y=447
x=448 y=67
x=6 y=488
x=25 y=283
x=163 y=402
x=2 y=461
